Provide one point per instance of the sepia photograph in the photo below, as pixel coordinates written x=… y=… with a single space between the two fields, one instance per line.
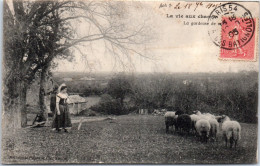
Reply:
x=129 y=82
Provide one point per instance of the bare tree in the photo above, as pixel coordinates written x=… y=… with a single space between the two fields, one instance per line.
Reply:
x=39 y=31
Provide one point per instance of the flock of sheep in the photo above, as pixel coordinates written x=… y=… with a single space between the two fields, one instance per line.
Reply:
x=204 y=126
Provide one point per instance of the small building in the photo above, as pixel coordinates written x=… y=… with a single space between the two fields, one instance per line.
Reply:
x=76 y=104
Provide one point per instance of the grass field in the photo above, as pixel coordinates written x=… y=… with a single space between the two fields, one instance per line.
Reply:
x=127 y=139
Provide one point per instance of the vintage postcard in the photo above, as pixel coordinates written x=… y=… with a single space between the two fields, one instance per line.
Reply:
x=130 y=82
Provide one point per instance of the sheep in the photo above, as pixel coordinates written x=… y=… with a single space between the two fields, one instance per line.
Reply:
x=214 y=125
x=194 y=119
x=197 y=113
x=202 y=116
x=231 y=131
x=170 y=120
x=218 y=118
x=203 y=129
x=183 y=123
x=206 y=116
x=214 y=128
x=210 y=115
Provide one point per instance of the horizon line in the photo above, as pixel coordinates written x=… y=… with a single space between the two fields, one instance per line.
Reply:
x=241 y=71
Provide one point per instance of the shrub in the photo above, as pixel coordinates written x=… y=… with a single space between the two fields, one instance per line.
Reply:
x=109 y=105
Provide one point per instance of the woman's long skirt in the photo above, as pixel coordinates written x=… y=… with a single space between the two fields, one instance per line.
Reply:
x=63 y=120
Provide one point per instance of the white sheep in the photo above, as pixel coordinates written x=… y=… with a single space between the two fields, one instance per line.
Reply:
x=203 y=128
x=231 y=131
x=170 y=119
x=194 y=119
x=202 y=116
x=169 y=114
x=197 y=112
x=210 y=115
x=214 y=128
x=214 y=125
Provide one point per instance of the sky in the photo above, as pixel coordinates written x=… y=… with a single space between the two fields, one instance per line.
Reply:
x=176 y=47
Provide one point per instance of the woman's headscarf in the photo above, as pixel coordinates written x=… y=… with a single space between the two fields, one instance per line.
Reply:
x=62 y=85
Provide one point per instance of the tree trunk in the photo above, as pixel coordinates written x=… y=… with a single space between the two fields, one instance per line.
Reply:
x=23 y=92
x=14 y=108
x=43 y=110
x=11 y=116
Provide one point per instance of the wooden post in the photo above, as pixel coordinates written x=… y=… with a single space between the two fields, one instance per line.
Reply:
x=80 y=123
x=78 y=109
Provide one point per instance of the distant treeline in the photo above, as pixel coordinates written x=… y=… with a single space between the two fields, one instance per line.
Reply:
x=232 y=94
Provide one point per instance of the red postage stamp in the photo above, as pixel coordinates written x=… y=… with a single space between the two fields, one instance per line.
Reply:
x=237 y=39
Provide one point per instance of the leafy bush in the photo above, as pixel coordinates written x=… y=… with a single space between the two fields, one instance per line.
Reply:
x=109 y=105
